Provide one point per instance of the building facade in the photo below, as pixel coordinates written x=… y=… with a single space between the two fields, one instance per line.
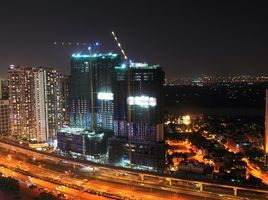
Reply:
x=138 y=113
x=22 y=102
x=91 y=97
x=266 y=128
x=72 y=140
x=4 y=117
x=35 y=103
x=138 y=102
x=48 y=103
x=82 y=143
x=4 y=91
x=65 y=99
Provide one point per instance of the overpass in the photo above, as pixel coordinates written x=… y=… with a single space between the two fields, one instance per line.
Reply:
x=117 y=171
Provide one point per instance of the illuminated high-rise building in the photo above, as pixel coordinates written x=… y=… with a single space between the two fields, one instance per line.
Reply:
x=4 y=117
x=65 y=85
x=138 y=112
x=1 y=89
x=35 y=102
x=4 y=93
x=54 y=101
x=140 y=105
x=266 y=128
x=4 y=108
x=22 y=102
x=48 y=104
x=91 y=97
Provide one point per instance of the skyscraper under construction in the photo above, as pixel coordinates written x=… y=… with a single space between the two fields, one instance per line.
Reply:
x=91 y=97
x=138 y=113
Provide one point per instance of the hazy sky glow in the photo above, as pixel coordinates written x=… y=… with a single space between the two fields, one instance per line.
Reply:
x=187 y=38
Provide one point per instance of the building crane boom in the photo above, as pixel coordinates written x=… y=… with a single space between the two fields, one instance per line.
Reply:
x=95 y=46
x=129 y=94
x=62 y=43
x=120 y=47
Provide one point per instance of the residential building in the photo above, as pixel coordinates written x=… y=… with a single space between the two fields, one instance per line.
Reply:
x=35 y=103
x=4 y=117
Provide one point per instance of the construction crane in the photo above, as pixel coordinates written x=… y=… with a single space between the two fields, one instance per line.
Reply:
x=71 y=43
x=90 y=46
x=76 y=44
x=129 y=94
x=120 y=47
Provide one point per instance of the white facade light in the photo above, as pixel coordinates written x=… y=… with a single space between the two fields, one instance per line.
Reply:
x=131 y=101
x=105 y=96
x=142 y=101
x=152 y=101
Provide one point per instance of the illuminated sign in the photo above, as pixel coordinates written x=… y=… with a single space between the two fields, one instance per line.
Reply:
x=105 y=96
x=142 y=101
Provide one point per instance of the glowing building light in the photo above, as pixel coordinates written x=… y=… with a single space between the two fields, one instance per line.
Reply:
x=94 y=56
x=266 y=127
x=142 y=101
x=80 y=56
x=186 y=119
x=105 y=96
x=152 y=101
x=143 y=65
x=131 y=101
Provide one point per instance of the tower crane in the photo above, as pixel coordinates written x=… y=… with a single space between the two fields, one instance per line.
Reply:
x=129 y=94
x=120 y=47
x=71 y=43
x=89 y=46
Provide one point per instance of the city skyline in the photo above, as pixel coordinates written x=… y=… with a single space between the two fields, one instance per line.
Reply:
x=133 y=100
x=186 y=39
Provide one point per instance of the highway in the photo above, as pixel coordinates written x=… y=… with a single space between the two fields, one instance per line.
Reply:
x=135 y=185
x=126 y=190
x=52 y=187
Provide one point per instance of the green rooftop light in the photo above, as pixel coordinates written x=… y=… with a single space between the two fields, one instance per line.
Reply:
x=95 y=56
x=122 y=66
x=138 y=66
x=144 y=66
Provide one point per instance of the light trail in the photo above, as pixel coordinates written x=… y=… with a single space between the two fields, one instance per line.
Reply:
x=255 y=171
x=144 y=179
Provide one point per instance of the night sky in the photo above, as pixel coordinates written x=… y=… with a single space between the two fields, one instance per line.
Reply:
x=188 y=38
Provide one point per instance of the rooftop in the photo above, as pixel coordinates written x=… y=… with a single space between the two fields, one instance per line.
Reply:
x=79 y=131
x=94 y=56
x=138 y=66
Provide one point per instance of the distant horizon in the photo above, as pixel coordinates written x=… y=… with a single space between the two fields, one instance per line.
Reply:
x=187 y=38
x=5 y=73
